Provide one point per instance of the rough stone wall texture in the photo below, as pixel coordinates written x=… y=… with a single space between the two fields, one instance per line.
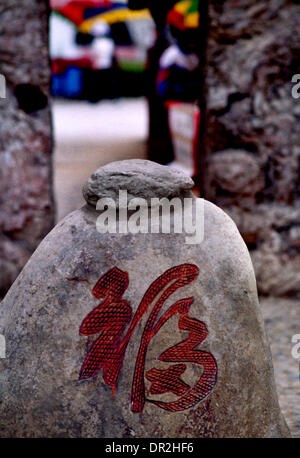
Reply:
x=26 y=204
x=254 y=131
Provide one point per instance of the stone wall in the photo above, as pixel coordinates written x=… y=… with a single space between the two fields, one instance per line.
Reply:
x=254 y=131
x=26 y=203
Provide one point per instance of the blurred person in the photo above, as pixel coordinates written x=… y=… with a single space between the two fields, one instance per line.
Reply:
x=178 y=74
x=178 y=66
x=159 y=144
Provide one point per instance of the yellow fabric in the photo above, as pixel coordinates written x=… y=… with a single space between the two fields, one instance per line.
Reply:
x=111 y=17
x=182 y=7
x=191 y=20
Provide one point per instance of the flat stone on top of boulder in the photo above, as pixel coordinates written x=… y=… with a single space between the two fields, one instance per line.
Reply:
x=140 y=178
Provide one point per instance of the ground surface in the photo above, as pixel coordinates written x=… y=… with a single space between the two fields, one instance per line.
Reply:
x=282 y=318
x=88 y=136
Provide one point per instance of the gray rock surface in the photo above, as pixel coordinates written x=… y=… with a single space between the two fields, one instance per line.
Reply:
x=138 y=177
x=272 y=233
x=236 y=177
x=223 y=349
x=26 y=203
x=253 y=54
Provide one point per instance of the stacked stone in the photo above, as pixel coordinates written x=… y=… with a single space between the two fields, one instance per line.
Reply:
x=137 y=335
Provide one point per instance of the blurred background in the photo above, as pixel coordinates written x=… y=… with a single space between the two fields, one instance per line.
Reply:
x=207 y=86
x=132 y=81
x=99 y=54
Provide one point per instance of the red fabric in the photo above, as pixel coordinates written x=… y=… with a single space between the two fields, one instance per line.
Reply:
x=74 y=10
x=176 y=19
x=59 y=66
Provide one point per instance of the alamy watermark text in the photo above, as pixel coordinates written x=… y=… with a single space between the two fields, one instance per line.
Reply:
x=160 y=215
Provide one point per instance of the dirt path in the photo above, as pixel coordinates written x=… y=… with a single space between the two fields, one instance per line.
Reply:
x=88 y=136
x=282 y=319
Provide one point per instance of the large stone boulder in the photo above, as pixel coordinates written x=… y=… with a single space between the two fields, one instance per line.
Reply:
x=137 y=335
